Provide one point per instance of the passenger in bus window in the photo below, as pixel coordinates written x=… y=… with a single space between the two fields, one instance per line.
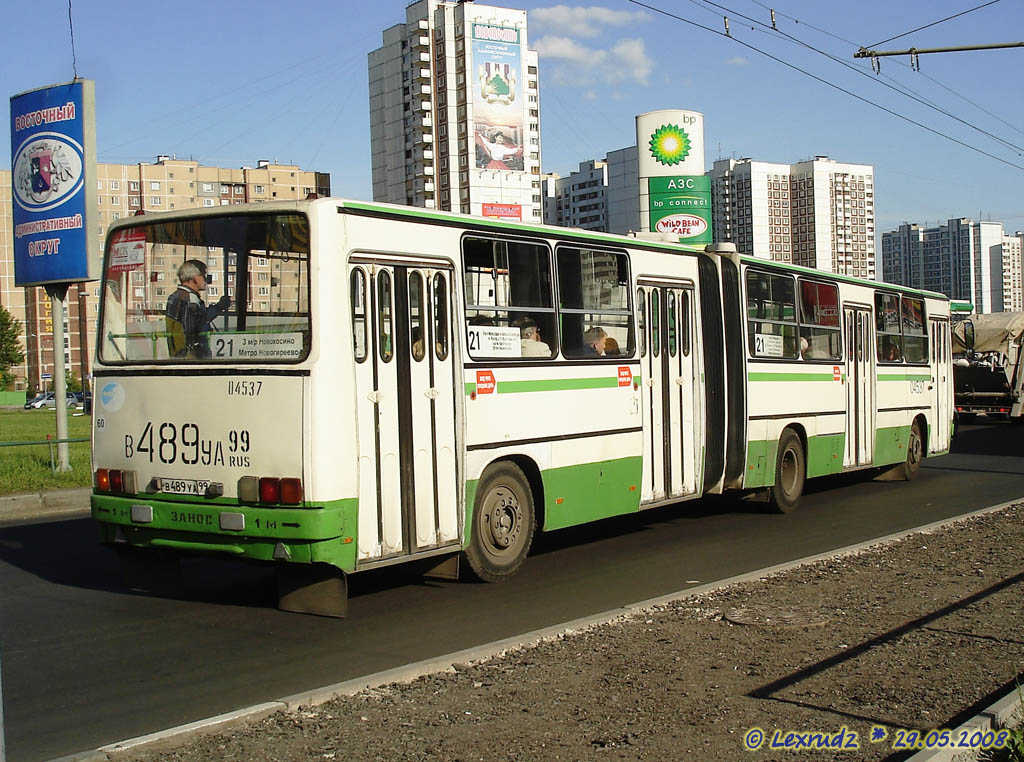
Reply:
x=611 y=347
x=530 y=340
x=594 y=341
x=187 y=317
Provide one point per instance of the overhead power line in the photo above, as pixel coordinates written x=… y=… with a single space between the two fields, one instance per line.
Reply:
x=952 y=91
x=827 y=83
x=955 y=15
x=902 y=90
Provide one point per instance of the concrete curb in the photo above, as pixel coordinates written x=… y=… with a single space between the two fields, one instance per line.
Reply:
x=1007 y=712
x=1003 y=708
x=45 y=504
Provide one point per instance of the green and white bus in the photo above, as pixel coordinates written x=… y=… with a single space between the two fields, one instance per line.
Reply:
x=395 y=384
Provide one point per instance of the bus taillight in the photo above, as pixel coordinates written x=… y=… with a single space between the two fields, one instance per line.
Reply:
x=115 y=481
x=269 y=489
x=291 y=491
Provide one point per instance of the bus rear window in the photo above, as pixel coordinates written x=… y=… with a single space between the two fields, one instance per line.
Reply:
x=231 y=289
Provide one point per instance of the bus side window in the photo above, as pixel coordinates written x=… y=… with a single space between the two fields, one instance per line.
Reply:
x=915 y=338
x=672 y=336
x=684 y=320
x=386 y=347
x=641 y=321
x=771 y=316
x=358 y=288
x=593 y=296
x=440 y=317
x=887 y=327
x=416 y=323
x=655 y=323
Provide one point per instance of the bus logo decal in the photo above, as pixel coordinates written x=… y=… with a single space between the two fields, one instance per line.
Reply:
x=484 y=382
x=836 y=375
x=112 y=396
x=625 y=376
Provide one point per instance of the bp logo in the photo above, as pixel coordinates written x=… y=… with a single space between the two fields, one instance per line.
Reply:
x=670 y=144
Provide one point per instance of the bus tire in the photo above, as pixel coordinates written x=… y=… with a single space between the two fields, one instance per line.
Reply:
x=790 y=473
x=503 y=524
x=915 y=451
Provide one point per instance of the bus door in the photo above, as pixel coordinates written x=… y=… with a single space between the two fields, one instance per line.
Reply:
x=942 y=370
x=860 y=386
x=667 y=365
x=405 y=411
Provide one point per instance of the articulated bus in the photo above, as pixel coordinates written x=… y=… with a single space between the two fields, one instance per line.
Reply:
x=393 y=384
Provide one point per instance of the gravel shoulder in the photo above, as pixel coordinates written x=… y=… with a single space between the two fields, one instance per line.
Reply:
x=920 y=632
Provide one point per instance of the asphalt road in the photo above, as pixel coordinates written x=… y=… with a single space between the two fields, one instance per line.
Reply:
x=86 y=663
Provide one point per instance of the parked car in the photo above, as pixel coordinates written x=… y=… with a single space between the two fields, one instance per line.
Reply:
x=48 y=400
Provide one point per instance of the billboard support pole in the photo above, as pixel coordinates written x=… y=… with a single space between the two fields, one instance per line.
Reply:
x=58 y=292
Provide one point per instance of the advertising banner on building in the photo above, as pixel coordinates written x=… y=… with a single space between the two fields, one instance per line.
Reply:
x=675 y=195
x=495 y=75
x=53 y=178
x=502 y=211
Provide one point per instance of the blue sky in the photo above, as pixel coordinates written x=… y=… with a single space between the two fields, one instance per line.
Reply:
x=228 y=82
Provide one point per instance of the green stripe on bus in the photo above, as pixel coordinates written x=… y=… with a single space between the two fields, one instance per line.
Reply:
x=790 y=377
x=556 y=385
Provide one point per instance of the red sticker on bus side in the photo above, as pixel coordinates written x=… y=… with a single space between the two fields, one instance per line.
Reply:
x=625 y=376
x=484 y=382
x=836 y=376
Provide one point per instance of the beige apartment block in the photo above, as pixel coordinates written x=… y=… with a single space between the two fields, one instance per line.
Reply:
x=122 y=190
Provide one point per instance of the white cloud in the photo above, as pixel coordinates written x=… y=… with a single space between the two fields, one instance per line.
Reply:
x=737 y=61
x=580 y=21
x=626 y=61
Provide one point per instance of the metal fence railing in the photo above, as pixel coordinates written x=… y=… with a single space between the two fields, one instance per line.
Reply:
x=48 y=441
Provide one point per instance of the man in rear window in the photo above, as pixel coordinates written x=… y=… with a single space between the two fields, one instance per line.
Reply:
x=187 y=316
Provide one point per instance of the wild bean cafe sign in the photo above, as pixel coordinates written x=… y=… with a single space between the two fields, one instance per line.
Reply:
x=681 y=206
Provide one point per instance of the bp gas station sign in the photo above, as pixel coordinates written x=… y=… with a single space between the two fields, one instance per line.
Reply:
x=675 y=194
x=681 y=205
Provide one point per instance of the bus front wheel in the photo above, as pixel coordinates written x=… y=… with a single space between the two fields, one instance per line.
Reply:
x=790 y=473
x=503 y=524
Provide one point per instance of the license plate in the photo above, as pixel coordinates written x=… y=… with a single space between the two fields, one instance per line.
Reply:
x=184 y=486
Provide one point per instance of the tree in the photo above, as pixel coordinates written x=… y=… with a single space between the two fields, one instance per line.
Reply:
x=11 y=353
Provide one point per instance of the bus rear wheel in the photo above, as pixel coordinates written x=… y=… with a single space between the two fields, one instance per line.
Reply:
x=503 y=524
x=915 y=451
x=790 y=473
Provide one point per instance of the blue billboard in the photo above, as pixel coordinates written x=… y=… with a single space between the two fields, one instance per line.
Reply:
x=53 y=179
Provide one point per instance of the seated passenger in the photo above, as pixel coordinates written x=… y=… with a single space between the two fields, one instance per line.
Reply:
x=611 y=347
x=594 y=340
x=530 y=342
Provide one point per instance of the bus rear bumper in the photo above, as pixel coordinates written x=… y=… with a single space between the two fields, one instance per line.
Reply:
x=290 y=535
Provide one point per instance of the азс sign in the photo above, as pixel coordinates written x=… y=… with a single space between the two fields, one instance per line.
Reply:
x=53 y=179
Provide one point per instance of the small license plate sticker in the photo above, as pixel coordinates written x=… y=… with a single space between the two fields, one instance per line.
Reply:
x=184 y=486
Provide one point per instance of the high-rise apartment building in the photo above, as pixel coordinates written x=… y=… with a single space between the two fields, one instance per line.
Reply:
x=963 y=259
x=455 y=111
x=579 y=200
x=125 y=189
x=817 y=213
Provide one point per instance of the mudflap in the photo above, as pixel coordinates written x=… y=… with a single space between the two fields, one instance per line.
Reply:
x=319 y=589
x=151 y=571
